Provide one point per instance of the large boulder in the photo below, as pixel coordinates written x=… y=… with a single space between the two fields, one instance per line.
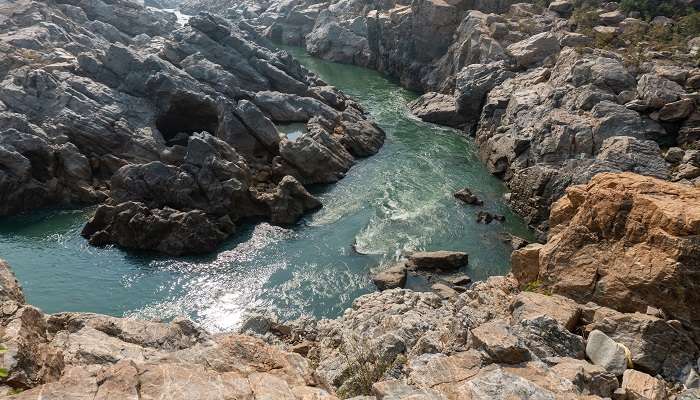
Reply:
x=607 y=353
x=437 y=108
x=656 y=346
x=392 y=277
x=437 y=260
x=624 y=241
x=534 y=50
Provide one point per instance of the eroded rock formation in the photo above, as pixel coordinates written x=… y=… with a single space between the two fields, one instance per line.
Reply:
x=547 y=107
x=627 y=242
x=170 y=126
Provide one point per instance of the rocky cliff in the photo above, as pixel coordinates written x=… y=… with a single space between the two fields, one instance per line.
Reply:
x=605 y=309
x=553 y=95
x=173 y=128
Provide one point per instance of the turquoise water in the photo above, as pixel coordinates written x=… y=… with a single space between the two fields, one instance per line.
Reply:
x=399 y=200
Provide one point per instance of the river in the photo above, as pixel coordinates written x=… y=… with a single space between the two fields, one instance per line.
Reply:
x=396 y=201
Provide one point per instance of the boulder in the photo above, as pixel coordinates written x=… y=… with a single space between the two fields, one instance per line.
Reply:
x=657 y=91
x=607 y=353
x=534 y=49
x=621 y=241
x=497 y=339
x=437 y=260
x=444 y=291
x=612 y=18
x=392 y=277
x=640 y=386
x=437 y=108
x=530 y=305
x=674 y=155
x=657 y=346
x=135 y=226
x=589 y=379
x=676 y=110
x=545 y=337
x=288 y=202
x=562 y=7
x=473 y=83
x=525 y=263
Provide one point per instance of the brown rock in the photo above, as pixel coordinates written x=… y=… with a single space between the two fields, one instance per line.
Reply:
x=499 y=342
x=588 y=378
x=525 y=263
x=9 y=286
x=640 y=386
x=444 y=291
x=437 y=260
x=627 y=241
x=529 y=305
x=392 y=277
x=677 y=110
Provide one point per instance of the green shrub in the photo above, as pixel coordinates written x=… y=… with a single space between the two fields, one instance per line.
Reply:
x=585 y=18
x=652 y=8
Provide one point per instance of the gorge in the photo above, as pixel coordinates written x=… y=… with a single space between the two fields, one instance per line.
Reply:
x=197 y=210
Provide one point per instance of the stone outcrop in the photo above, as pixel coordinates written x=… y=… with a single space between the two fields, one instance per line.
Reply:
x=627 y=242
x=82 y=355
x=172 y=126
x=548 y=110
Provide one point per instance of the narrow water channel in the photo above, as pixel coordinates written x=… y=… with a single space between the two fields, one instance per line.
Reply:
x=399 y=200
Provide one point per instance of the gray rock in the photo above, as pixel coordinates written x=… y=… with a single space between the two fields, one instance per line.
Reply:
x=534 y=49
x=657 y=91
x=260 y=126
x=674 y=155
x=562 y=7
x=607 y=353
x=655 y=345
x=437 y=108
x=133 y=225
x=612 y=18
x=500 y=343
x=473 y=83
x=546 y=337
x=676 y=110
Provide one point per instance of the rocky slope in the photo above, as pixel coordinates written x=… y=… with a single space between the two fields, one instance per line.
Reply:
x=543 y=332
x=172 y=128
x=90 y=356
x=552 y=95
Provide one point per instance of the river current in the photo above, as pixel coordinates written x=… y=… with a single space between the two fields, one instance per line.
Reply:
x=396 y=201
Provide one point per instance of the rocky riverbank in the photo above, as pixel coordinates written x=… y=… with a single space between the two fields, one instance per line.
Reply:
x=172 y=129
x=553 y=95
x=574 y=320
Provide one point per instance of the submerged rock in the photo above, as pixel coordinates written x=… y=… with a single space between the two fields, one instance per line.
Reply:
x=466 y=196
